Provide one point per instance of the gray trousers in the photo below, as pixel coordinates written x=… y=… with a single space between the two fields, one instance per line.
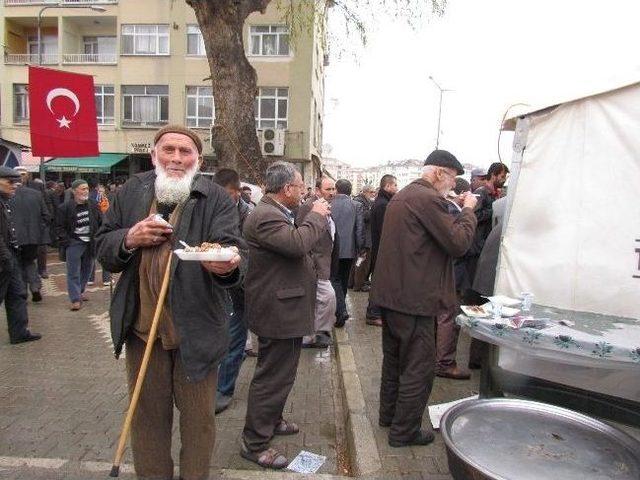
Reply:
x=408 y=362
x=325 y=308
x=29 y=268
x=272 y=381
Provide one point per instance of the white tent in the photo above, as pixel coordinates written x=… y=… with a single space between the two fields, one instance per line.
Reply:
x=572 y=228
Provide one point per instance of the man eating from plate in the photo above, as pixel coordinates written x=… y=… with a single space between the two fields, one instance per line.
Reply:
x=192 y=333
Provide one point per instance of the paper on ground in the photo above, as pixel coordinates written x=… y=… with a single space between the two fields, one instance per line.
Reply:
x=306 y=462
x=437 y=411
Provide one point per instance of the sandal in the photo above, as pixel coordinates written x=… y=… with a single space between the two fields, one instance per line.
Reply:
x=286 y=428
x=269 y=458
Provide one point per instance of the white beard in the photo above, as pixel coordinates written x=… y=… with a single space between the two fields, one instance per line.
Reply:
x=172 y=190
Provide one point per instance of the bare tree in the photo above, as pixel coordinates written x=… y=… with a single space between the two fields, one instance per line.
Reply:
x=234 y=79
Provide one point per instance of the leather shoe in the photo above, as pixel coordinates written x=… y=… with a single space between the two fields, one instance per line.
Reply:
x=376 y=322
x=455 y=373
x=75 y=306
x=474 y=366
x=222 y=402
x=421 y=438
x=36 y=296
x=29 y=337
x=341 y=319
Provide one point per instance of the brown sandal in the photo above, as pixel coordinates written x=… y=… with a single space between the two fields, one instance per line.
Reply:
x=286 y=428
x=269 y=458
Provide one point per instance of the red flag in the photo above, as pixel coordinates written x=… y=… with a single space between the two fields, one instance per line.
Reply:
x=62 y=114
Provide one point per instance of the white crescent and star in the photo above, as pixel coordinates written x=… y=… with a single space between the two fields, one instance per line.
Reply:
x=63 y=92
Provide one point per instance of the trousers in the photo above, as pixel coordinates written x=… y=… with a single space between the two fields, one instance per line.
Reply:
x=340 y=284
x=325 y=309
x=230 y=365
x=272 y=381
x=408 y=349
x=30 y=275
x=166 y=384
x=13 y=293
x=446 y=340
x=79 y=266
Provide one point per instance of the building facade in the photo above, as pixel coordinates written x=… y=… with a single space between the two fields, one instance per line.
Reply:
x=149 y=65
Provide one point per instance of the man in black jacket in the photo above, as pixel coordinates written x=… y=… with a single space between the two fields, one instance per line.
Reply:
x=31 y=218
x=78 y=221
x=388 y=188
x=12 y=289
x=362 y=266
x=192 y=336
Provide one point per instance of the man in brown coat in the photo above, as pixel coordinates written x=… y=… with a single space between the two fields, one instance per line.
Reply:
x=326 y=258
x=413 y=283
x=280 y=293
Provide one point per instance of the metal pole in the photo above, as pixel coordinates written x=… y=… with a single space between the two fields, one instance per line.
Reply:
x=439 y=117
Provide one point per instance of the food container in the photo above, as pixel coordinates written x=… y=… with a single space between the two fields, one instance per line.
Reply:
x=219 y=255
x=511 y=439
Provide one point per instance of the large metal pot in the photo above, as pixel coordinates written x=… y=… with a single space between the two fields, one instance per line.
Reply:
x=509 y=439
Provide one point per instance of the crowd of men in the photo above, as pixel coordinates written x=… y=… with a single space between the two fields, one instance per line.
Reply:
x=418 y=252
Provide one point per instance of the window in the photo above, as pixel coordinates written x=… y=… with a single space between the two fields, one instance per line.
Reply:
x=20 y=103
x=271 y=106
x=145 y=39
x=49 y=47
x=200 y=109
x=105 y=103
x=195 y=42
x=98 y=45
x=269 y=40
x=145 y=104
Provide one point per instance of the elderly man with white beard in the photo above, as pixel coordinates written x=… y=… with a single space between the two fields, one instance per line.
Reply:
x=192 y=334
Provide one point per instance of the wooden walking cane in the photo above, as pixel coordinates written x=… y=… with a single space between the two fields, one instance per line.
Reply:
x=115 y=469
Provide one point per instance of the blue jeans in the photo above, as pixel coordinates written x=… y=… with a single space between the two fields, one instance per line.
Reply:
x=230 y=365
x=79 y=266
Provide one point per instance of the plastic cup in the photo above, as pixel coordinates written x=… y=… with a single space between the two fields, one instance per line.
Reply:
x=527 y=301
x=496 y=307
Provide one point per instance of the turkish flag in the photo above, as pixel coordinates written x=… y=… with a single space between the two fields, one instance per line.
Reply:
x=62 y=114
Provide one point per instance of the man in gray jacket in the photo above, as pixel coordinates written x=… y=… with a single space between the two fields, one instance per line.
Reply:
x=192 y=335
x=348 y=217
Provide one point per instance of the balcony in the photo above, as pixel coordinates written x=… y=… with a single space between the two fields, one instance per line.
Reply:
x=11 y=3
x=90 y=58
x=30 y=58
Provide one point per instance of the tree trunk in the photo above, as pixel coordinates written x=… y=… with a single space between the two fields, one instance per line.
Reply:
x=234 y=84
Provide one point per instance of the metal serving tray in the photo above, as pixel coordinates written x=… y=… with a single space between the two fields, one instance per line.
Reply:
x=509 y=439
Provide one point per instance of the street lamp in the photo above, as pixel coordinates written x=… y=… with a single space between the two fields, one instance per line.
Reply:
x=95 y=8
x=442 y=90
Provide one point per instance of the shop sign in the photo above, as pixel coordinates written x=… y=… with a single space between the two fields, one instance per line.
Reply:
x=139 y=147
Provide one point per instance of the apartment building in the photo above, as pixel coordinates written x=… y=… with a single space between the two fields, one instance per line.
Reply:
x=149 y=66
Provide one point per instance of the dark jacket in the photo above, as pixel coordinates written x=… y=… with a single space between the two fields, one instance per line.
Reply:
x=66 y=222
x=325 y=253
x=367 y=205
x=414 y=270
x=280 y=288
x=460 y=273
x=377 y=220
x=5 y=237
x=484 y=214
x=196 y=297
x=31 y=217
x=348 y=218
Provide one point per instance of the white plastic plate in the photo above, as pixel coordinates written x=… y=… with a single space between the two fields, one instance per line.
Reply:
x=504 y=300
x=222 y=255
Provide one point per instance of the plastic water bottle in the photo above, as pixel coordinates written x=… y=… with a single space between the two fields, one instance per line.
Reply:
x=527 y=301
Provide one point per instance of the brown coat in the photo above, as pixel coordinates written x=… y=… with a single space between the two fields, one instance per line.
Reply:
x=325 y=252
x=280 y=285
x=414 y=268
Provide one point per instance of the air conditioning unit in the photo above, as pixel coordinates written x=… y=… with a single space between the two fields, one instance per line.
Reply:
x=272 y=141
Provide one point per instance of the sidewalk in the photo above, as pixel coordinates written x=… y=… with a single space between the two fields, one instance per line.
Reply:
x=428 y=462
x=63 y=399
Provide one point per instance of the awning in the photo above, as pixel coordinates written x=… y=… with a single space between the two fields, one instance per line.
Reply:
x=99 y=164
x=31 y=163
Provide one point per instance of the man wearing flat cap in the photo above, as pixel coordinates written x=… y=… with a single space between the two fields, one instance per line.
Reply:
x=78 y=221
x=414 y=283
x=13 y=291
x=192 y=333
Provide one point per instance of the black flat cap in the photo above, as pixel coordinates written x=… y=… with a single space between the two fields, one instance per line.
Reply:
x=442 y=158
x=6 y=172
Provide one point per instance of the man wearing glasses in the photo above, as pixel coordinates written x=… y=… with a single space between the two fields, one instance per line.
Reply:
x=12 y=288
x=413 y=284
x=280 y=294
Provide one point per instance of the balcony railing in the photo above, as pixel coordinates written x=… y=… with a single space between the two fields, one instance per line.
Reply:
x=61 y=2
x=90 y=58
x=30 y=58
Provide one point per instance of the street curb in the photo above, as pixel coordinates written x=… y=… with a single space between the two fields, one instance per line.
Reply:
x=363 y=451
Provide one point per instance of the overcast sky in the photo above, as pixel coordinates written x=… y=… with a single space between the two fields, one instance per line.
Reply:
x=492 y=53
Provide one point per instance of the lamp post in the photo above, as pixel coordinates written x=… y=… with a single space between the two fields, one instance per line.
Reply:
x=95 y=8
x=442 y=90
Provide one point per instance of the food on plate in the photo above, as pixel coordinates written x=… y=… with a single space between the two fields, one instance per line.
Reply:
x=476 y=309
x=209 y=247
